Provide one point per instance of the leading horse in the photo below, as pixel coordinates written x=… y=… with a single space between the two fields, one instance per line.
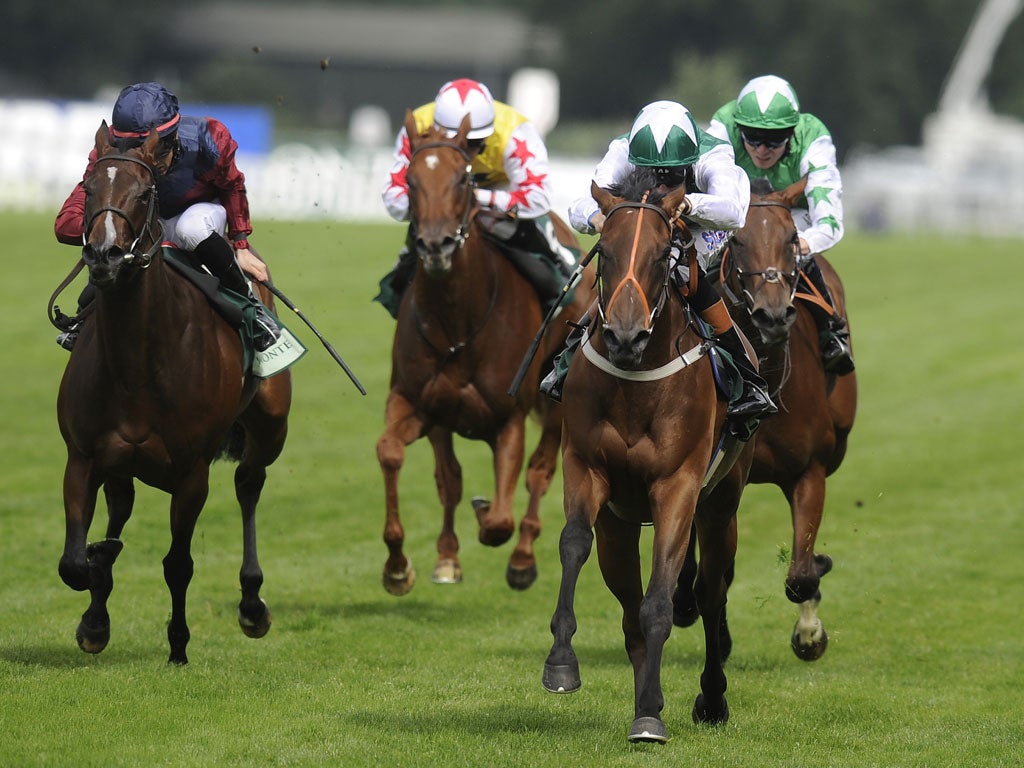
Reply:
x=805 y=442
x=464 y=324
x=154 y=389
x=643 y=422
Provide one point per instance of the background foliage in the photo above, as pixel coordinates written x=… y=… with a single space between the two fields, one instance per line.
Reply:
x=923 y=521
x=871 y=70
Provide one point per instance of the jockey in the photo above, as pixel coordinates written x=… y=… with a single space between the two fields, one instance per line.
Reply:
x=665 y=138
x=510 y=169
x=773 y=139
x=200 y=191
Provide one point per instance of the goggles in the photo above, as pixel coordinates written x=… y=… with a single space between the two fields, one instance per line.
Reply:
x=758 y=140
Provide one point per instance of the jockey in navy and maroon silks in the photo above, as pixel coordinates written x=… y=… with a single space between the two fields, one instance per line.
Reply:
x=201 y=194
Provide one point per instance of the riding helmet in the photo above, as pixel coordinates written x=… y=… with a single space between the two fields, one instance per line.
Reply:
x=462 y=97
x=767 y=102
x=144 y=106
x=664 y=135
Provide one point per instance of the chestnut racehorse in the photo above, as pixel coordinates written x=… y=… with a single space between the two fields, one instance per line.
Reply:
x=797 y=448
x=463 y=326
x=153 y=390
x=642 y=424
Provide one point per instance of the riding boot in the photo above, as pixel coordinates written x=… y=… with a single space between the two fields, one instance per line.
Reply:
x=394 y=283
x=836 y=355
x=72 y=326
x=218 y=256
x=551 y=385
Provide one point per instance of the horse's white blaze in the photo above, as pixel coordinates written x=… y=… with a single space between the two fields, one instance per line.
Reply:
x=111 y=174
x=109 y=231
x=432 y=162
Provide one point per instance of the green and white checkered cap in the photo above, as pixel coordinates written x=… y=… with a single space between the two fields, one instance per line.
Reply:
x=767 y=102
x=664 y=135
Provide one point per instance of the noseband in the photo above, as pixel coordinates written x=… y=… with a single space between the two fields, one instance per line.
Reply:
x=630 y=276
x=463 y=231
x=147 y=228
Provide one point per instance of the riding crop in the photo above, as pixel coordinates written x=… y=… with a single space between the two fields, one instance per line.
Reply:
x=532 y=351
x=337 y=358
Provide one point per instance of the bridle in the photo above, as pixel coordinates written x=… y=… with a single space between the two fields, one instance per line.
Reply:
x=463 y=231
x=650 y=311
x=770 y=275
x=148 y=229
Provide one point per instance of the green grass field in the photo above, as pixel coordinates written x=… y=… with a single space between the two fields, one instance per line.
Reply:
x=926 y=657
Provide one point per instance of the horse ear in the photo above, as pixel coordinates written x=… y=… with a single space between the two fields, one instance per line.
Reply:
x=671 y=202
x=102 y=139
x=151 y=142
x=460 y=137
x=604 y=198
x=792 y=193
x=410 y=127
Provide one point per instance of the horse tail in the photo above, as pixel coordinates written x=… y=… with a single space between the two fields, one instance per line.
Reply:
x=234 y=444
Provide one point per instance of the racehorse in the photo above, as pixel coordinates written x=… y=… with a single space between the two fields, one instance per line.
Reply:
x=642 y=423
x=797 y=448
x=154 y=389
x=463 y=326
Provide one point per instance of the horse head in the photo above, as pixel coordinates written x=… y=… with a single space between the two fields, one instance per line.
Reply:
x=764 y=256
x=121 y=214
x=634 y=266
x=441 y=193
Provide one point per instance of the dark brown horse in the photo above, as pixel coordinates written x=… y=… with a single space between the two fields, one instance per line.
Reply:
x=463 y=326
x=805 y=442
x=642 y=423
x=152 y=390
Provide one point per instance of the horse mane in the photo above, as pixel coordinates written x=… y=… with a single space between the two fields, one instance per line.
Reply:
x=761 y=187
x=641 y=180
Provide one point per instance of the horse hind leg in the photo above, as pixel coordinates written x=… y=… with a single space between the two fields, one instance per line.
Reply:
x=522 y=565
x=93 y=632
x=253 y=614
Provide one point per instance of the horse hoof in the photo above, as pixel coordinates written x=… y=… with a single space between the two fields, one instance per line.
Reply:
x=521 y=578
x=685 y=615
x=399 y=584
x=92 y=639
x=811 y=651
x=648 y=729
x=562 y=678
x=74 y=574
x=447 y=571
x=256 y=627
x=704 y=715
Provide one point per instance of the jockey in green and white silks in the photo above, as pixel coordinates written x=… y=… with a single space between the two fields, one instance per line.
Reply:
x=666 y=139
x=718 y=194
x=772 y=139
x=769 y=104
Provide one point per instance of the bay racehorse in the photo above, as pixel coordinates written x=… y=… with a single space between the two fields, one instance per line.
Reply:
x=463 y=326
x=799 y=447
x=154 y=388
x=643 y=421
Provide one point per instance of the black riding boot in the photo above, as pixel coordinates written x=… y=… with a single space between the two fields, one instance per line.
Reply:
x=72 y=326
x=551 y=385
x=836 y=355
x=218 y=256
x=394 y=283
x=754 y=402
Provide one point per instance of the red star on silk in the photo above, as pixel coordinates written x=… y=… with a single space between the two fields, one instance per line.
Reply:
x=522 y=152
x=519 y=197
x=398 y=179
x=406 y=149
x=464 y=87
x=534 y=179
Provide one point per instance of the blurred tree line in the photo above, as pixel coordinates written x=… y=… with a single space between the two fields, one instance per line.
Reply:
x=872 y=69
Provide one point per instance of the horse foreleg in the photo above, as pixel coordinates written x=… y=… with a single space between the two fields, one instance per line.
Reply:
x=93 y=631
x=807 y=501
x=497 y=523
x=80 y=489
x=716 y=531
x=402 y=427
x=186 y=504
x=562 y=668
x=448 y=478
x=522 y=564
